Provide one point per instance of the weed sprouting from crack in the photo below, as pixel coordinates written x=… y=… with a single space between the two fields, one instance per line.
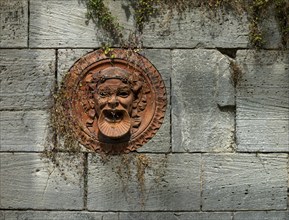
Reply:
x=236 y=73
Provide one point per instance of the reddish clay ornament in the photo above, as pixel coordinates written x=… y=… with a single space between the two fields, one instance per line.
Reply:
x=116 y=101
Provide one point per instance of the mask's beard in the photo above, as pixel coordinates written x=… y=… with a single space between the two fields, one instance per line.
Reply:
x=114 y=123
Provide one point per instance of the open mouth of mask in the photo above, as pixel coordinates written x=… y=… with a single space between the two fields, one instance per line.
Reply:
x=114 y=123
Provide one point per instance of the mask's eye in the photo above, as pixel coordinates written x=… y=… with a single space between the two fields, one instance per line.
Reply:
x=123 y=94
x=102 y=94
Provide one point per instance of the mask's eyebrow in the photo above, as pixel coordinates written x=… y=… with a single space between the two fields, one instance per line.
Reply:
x=124 y=87
x=103 y=88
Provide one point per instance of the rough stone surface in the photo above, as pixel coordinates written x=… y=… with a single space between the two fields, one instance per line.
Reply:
x=245 y=182
x=271 y=35
x=29 y=182
x=273 y=215
x=23 y=131
x=13 y=23
x=174 y=216
x=62 y=23
x=66 y=58
x=27 y=78
x=162 y=60
x=59 y=215
x=263 y=101
x=199 y=120
x=196 y=28
x=237 y=138
x=161 y=142
x=170 y=182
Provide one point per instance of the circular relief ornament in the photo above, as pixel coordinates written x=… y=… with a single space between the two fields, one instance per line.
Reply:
x=116 y=102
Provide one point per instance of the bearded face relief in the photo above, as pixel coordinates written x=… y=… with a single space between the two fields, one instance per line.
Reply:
x=114 y=98
x=115 y=105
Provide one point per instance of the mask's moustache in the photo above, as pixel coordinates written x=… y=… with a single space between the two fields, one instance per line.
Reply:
x=114 y=123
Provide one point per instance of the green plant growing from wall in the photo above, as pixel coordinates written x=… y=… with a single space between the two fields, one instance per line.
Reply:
x=144 y=9
x=101 y=15
x=256 y=10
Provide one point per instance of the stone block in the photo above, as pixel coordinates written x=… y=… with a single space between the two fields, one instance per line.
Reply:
x=62 y=23
x=263 y=101
x=202 y=101
x=58 y=215
x=13 y=23
x=27 y=79
x=30 y=182
x=196 y=28
x=271 y=215
x=66 y=58
x=174 y=216
x=149 y=182
x=161 y=141
x=161 y=59
x=23 y=131
x=245 y=182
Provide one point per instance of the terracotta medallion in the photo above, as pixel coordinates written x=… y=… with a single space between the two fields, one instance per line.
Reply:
x=116 y=101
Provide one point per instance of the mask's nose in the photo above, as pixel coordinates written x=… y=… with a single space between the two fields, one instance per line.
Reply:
x=113 y=101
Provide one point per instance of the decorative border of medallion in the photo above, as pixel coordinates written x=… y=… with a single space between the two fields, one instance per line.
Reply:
x=148 y=108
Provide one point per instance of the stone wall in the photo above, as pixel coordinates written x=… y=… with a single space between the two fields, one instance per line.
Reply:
x=221 y=154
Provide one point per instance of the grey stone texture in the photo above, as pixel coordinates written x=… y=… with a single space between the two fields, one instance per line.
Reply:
x=175 y=216
x=197 y=28
x=201 y=28
x=27 y=79
x=66 y=58
x=272 y=37
x=222 y=152
x=62 y=23
x=23 y=130
x=245 y=182
x=58 y=215
x=161 y=59
x=13 y=23
x=123 y=183
x=201 y=90
x=30 y=182
x=161 y=141
x=268 y=215
x=263 y=101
